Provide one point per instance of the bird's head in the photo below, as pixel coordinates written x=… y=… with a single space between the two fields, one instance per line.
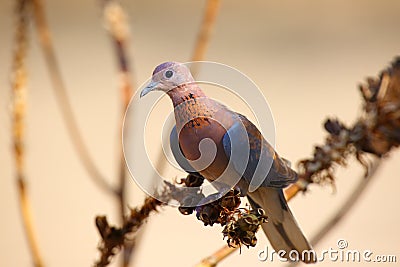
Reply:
x=168 y=76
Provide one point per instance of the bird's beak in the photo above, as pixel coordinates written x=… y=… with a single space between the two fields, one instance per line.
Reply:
x=150 y=87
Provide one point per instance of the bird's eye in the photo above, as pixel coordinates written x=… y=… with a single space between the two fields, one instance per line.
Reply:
x=168 y=74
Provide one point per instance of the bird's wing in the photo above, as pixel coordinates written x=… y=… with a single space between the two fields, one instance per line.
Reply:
x=264 y=166
x=177 y=152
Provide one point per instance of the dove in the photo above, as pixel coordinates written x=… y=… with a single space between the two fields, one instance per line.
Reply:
x=209 y=135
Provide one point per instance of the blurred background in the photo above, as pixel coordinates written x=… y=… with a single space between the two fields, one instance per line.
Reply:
x=308 y=58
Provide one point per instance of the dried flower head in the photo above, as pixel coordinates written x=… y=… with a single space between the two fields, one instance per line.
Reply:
x=376 y=132
x=240 y=224
x=241 y=229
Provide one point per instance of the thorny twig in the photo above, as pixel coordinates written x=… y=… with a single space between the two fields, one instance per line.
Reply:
x=376 y=132
x=117 y=26
x=18 y=84
x=63 y=100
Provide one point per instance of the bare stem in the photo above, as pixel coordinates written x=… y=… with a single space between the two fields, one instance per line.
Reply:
x=26 y=211
x=114 y=238
x=18 y=121
x=216 y=257
x=206 y=30
x=63 y=100
x=117 y=26
x=292 y=190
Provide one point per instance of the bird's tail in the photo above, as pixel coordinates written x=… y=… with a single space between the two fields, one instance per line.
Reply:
x=281 y=229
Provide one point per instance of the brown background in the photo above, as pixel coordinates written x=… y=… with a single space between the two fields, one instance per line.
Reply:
x=307 y=56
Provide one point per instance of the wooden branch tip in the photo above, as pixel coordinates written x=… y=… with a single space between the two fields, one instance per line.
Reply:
x=216 y=257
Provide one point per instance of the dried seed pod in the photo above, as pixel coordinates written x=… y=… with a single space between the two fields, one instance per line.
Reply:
x=242 y=230
x=231 y=200
x=333 y=127
x=208 y=214
x=193 y=179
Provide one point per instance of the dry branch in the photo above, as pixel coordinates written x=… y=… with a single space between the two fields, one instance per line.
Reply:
x=114 y=238
x=207 y=27
x=19 y=78
x=118 y=28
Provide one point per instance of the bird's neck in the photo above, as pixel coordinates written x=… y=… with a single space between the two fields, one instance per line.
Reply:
x=185 y=92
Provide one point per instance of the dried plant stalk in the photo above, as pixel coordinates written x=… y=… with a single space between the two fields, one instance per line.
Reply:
x=206 y=30
x=113 y=238
x=216 y=257
x=118 y=28
x=19 y=93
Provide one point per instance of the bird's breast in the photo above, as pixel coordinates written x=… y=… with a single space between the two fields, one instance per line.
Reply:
x=200 y=140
